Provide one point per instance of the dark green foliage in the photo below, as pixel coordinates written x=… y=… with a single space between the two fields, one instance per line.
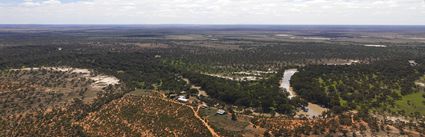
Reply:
x=360 y=86
x=136 y=69
x=264 y=94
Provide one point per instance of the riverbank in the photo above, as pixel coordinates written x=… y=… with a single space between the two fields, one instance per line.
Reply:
x=313 y=110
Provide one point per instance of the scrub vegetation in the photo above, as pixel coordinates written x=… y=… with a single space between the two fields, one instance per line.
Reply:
x=148 y=81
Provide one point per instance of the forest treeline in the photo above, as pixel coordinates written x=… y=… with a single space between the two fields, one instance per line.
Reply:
x=360 y=86
x=263 y=94
x=149 y=68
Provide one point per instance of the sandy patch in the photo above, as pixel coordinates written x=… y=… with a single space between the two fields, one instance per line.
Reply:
x=201 y=92
x=103 y=81
x=314 y=110
x=243 y=75
x=395 y=119
x=100 y=81
x=283 y=35
x=151 y=45
x=349 y=62
x=372 y=45
x=255 y=73
x=236 y=78
x=316 y=38
x=420 y=84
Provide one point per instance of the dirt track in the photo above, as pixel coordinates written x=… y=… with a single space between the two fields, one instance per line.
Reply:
x=195 y=113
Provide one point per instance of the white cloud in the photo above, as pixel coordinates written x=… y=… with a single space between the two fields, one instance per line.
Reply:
x=51 y=2
x=30 y=3
x=216 y=11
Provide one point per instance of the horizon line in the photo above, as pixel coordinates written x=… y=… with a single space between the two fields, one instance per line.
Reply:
x=217 y=24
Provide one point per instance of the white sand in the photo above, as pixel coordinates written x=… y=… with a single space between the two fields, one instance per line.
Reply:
x=255 y=72
x=420 y=84
x=100 y=81
x=283 y=35
x=313 y=110
x=349 y=62
x=103 y=81
x=237 y=78
x=316 y=38
x=379 y=46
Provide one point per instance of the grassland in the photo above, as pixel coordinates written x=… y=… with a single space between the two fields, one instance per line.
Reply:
x=412 y=103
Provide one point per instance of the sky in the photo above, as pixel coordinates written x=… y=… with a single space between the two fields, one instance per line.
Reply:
x=304 y=12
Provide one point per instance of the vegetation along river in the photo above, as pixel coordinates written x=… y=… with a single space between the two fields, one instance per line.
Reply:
x=312 y=109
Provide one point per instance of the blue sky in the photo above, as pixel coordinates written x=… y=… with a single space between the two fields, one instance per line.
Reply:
x=352 y=12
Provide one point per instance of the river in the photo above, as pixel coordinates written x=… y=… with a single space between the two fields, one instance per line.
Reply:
x=286 y=84
x=312 y=109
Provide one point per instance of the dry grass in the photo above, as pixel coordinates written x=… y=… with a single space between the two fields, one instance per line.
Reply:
x=143 y=116
x=26 y=90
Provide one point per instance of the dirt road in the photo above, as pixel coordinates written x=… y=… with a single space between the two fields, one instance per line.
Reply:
x=195 y=113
